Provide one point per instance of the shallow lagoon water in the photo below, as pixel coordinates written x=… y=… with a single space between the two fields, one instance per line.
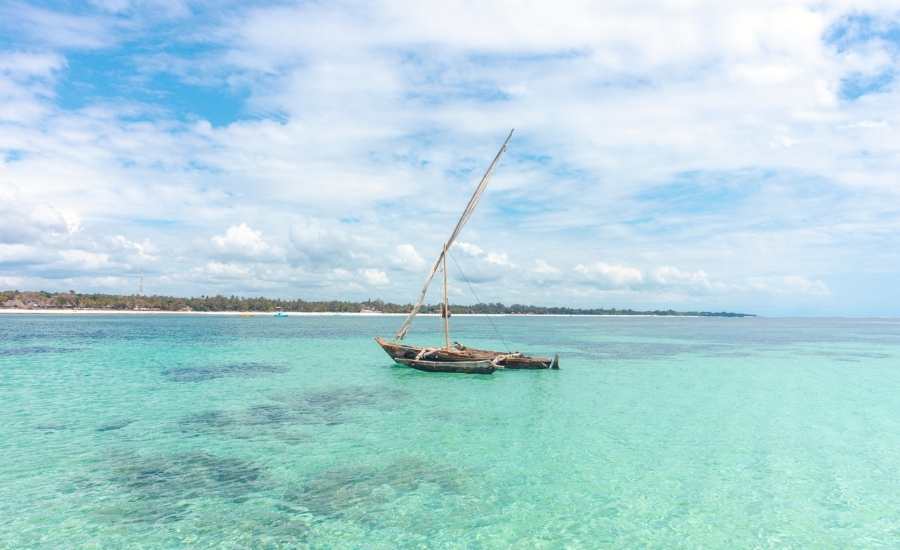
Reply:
x=176 y=431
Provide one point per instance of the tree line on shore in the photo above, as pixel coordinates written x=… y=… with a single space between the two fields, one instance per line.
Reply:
x=116 y=302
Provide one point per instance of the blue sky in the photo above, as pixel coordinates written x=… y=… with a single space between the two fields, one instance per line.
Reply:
x=702 y=155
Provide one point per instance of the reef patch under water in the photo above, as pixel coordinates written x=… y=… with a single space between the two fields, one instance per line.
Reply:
x=204 y=373
x=167 y=487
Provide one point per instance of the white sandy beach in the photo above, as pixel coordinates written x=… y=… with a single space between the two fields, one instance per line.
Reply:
x=294 y=313
x=155 y=312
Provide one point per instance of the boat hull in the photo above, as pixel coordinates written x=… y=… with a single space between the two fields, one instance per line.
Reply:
x=458 y=353
x=461 y=367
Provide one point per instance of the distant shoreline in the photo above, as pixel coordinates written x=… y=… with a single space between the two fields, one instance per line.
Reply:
x=12 y=311
x=64 y=302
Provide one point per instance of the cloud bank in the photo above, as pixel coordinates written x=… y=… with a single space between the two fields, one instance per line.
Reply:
x=696 y=155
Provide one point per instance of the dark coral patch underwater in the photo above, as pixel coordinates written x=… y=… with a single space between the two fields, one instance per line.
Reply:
x=228 y=370
x=167 y=487
x=322 y=407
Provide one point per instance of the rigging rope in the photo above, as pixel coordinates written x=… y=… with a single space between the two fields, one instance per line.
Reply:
x=472 y=289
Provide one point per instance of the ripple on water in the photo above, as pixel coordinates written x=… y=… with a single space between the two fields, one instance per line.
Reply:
x=34 y=350
x=336 y=405
x=630 y=350
x=846 y=356
x=51 y=427
x=206 y=420
x=115 y=425
x=366 y=491
x=331 y=403
x=238 y=423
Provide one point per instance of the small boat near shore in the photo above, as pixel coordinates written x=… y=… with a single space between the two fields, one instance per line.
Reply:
x=457 y=357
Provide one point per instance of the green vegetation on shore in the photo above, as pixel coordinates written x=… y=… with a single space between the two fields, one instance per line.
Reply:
x=74 y=300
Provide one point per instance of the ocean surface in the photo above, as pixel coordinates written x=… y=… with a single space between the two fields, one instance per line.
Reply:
x=264 y=432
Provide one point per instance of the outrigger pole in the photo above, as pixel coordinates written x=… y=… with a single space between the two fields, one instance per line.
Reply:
x=442 y=258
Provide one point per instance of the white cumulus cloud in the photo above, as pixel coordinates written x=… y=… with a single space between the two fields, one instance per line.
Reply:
x=786 y=285
x=407 y=257
x=668 y=276
x=375 y=277
x=543 y=268
x=606 y=275
x=242 y=241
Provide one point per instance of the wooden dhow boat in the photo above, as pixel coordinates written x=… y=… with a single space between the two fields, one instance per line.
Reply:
x=456 y=357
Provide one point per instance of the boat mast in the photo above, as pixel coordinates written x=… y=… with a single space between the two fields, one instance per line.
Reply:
x=467 y=213
x=446 y=309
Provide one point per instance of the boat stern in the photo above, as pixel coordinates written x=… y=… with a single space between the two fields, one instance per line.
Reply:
x=555 y=364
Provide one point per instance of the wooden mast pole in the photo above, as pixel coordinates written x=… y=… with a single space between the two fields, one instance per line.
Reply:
x=446 y=311
x=467 y=213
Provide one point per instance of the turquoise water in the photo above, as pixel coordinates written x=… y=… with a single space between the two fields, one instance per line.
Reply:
x=228 y=432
